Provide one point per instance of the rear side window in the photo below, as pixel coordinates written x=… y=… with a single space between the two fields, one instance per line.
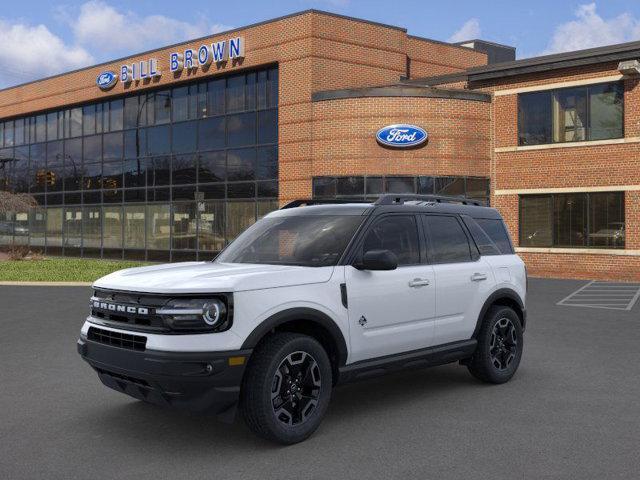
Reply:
x=497 y=232
x=448 y=242
x=486 y=246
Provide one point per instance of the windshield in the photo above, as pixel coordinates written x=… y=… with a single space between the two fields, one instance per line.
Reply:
x=308 y=240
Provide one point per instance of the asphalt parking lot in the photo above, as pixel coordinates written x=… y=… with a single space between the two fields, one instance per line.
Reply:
x=572 y=411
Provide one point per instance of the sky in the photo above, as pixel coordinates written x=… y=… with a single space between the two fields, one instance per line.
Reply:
x=39 y=38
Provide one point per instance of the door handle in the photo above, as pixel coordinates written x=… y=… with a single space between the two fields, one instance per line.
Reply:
x=478 y=277
x=418 y=282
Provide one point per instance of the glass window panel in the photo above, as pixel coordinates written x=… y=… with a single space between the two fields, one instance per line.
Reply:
x=211 y=226
x=54 y=227
x=55 y=166
x=92 y=227
x=6 y=228
x=162 y=107
x=75 y=122
x=212 y=167
x=477 y=187
x=241 y=129
x=496 y=231
x=38 y=168
x=268 y=126
x=272 y=93
x=267 y=167
x=448 y=242
x=201 y=103
x=112 y=227
x=374 y=185
x=184 y=169
x=112 y=175
x=159 y=194
x=398 y=234
x=92 y=176
x=534 y=118
x=606 y=220
x=89 y=120
x=180 y=103
x=536 y=217
x=1 y=135
x=324 y=187
x=241 y=164
x=136 y=195
x=92 y=149
x=183 y=193
x=52 y=126
x=37 y=226
x=135 y=172
x=215 y=97
x=72 y=164
x=240 y=216
x=21 y=228
x=453 y=186
x=19 y=131
x=135 y=143
x=212 y=191
x=570 y=115
x=266 y=206
x=211 y=133
x=8 y=134
x=21 y=169
x=159 y=140
x=268 y=189
x=606 y=111
x=570 y=218
x=92 y=197
x=54 y=199
x=184 y=137
x=41 y=129
x=426 y=185
x=102 y=117
x=161 y=171
x=131 y=112
x=261 y=89
x=235 y=93
x=350 y=186
x=112 y=145
x=400 y=185
x=116 y=115
x=250 y=91
x=73 y=227
x=72 y=198
x=184 y=226
x=134 y=226
x=241 y=190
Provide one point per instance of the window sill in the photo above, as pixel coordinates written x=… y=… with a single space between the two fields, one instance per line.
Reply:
x=580 y=251
x=547 y=146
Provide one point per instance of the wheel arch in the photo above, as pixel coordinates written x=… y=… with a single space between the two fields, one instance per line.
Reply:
x=307 y=321
x=506 y=297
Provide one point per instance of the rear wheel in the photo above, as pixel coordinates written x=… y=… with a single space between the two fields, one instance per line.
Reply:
x=499 y=349
x=287 y=387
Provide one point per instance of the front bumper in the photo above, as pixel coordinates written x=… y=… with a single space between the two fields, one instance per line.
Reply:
x=197 y=381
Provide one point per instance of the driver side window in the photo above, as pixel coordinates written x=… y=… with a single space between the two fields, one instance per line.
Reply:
x=398 y=234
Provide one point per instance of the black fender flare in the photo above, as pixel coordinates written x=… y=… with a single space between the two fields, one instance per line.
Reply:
x=495 y=297
x=300 y=314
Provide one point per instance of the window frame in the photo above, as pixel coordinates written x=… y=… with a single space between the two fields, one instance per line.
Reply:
x=552 y=93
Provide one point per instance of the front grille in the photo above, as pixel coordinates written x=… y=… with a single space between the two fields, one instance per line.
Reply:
x=117 y=339
x=140 y=321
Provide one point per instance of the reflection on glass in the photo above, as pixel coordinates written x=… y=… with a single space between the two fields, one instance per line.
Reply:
x=54 y=227
x=240 y=215
x=92 y=227
x=211 y=226
x=112 y=225
x=184 y=226
x=134 y=227
x=158 y=227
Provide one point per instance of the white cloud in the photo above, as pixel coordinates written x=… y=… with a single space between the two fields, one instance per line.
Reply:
x=591 y=30
x=28 y=52
x=469 y=31
x=107 y=30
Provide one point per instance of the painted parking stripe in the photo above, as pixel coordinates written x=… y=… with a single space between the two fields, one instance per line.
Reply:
x=613 y=296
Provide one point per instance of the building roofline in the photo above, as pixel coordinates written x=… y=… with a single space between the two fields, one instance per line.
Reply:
x=440 y=42
x=556 y=61
x=436 y=79
x=225 y=32
x=495 y=44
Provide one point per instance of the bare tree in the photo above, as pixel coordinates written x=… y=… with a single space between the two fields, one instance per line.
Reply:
x=16 y=202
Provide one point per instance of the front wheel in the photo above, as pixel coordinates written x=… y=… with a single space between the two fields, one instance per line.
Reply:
x=287 y=388
x=499 y=349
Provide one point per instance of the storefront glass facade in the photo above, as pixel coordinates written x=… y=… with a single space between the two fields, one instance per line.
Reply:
x=172 y=174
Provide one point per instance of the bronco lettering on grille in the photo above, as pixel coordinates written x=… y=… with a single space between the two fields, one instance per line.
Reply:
x=120 y=308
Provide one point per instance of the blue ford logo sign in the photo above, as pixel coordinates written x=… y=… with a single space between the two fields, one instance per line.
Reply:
x=106 y=80
x=401 y=136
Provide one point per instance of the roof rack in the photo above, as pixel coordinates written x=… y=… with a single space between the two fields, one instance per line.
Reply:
x=391 y=199
x=308 y=202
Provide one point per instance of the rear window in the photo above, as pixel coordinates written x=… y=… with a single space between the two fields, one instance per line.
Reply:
x=490 y=235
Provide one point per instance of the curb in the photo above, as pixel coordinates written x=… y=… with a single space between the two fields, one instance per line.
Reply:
x=47 y=284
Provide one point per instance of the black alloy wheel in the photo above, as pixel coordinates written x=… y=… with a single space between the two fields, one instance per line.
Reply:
x=504 y=344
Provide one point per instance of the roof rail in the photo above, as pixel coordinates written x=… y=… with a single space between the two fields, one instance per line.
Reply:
x=308 y=202
x=390 y=199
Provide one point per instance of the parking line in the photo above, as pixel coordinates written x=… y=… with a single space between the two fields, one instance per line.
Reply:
x=612 y=296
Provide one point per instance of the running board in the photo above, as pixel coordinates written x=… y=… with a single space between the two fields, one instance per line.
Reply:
x=426 y=357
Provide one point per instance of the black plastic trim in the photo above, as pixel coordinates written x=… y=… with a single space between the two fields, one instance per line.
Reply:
x=426 y=357
x=298 y=314
x=499 y=294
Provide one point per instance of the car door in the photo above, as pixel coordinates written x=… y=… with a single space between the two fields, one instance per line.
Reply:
x=463 y=278
x=391 y=311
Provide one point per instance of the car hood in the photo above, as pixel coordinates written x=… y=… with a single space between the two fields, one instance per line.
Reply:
x=201 y=277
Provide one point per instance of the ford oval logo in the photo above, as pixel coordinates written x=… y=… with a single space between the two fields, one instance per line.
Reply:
x=106 y=80
x=401 y=136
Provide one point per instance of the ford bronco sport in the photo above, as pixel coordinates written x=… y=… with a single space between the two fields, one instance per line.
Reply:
x=310 y=296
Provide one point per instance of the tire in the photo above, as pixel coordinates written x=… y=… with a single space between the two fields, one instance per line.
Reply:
x=287 y=387
x=500 y=343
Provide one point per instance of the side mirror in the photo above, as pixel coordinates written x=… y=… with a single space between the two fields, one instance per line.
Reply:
x=378 y=260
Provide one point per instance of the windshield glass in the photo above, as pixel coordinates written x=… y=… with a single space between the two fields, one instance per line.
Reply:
x=309 y=240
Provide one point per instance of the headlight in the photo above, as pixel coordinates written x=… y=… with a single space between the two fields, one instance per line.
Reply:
x=195 y=314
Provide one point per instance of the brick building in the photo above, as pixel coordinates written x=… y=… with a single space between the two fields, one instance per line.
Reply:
x=169 y=154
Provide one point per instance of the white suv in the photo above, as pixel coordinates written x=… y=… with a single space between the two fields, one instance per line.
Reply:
x=310 y=296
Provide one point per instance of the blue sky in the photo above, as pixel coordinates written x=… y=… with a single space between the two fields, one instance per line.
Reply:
x=43 y=37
